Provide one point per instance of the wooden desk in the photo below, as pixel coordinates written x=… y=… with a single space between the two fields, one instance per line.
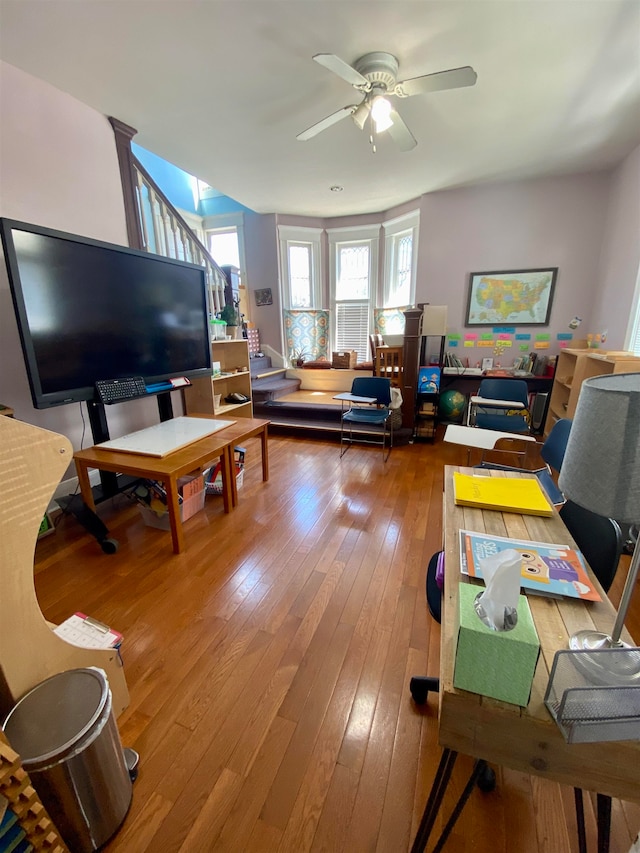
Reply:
x=167 y=469
x=524 y=739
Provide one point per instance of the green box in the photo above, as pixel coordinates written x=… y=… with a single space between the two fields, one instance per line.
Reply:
x=500 y=664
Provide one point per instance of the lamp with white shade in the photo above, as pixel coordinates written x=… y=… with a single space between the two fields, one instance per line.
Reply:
x=601 y=472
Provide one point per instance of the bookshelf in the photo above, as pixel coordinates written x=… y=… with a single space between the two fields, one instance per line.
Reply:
x=576 y=365
x=206 y=394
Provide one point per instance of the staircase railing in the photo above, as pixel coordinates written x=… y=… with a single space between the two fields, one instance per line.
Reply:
x=166 y=232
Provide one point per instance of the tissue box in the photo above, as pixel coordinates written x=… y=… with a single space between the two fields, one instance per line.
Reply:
x=500 y=664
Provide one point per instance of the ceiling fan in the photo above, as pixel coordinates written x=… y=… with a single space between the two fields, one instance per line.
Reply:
x=374 y=75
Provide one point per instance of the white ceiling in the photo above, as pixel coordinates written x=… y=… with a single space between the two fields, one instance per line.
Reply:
x=222 y=87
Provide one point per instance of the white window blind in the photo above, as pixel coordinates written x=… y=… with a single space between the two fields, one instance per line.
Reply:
x=352 y=327
x=353 y=270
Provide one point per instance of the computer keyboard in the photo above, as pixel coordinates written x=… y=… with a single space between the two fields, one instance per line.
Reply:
x=117 y=390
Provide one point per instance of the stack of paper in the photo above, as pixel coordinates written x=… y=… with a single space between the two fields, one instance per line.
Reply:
x=506 y=494
x=82 y=630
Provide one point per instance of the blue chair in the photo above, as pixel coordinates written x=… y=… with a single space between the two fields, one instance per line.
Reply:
x=552 y=453
x=365 y=415
x=500 y=416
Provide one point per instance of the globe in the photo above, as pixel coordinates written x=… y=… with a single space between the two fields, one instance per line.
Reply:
x=451 y=405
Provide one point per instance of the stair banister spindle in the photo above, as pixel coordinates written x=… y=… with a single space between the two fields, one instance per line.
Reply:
x=164 y=218
x=140 y=195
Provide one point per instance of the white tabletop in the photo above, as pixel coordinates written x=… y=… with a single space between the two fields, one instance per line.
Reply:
x=352 y=398
x=484 y=439
x=496 y=404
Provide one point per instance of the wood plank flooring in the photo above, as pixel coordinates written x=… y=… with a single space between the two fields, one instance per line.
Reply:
x=268 y=665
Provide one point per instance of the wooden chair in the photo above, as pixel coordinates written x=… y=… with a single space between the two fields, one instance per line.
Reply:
x=375 y=341
x=388 y=364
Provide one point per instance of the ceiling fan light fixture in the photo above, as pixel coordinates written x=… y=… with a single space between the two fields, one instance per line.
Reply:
x=361 y=113
x=381 y=114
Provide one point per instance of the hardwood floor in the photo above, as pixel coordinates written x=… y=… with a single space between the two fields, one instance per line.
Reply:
x=268 y=665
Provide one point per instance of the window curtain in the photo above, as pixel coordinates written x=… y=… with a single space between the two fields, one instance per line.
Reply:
x=389 y=321
x=307 y=331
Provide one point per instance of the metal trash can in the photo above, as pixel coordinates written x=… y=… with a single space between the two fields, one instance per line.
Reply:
x=65 y=732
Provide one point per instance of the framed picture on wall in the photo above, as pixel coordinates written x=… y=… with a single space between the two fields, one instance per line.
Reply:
x=264 y=296
x=505 y=298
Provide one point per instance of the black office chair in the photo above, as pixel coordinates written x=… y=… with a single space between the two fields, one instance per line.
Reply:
x=361 y=414
x=552 y=453
x=500 y=417
x=600 y=540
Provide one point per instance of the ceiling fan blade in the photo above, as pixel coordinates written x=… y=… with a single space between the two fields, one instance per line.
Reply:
x=341 y=68
x=456 y=78
x=319 y=126
x=400 y=133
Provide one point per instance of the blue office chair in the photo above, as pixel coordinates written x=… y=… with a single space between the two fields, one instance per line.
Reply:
x=500 y=417
x=370 y=419
x=552 y=453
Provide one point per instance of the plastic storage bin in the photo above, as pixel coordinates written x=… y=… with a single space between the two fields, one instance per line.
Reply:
x=213 y=476
x=191 y=489
x=65 y=732
x=189 y=507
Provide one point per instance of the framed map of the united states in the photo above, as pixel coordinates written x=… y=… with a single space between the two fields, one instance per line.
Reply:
x=520 y=298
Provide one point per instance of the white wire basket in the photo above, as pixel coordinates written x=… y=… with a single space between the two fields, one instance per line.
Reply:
x=595 y=695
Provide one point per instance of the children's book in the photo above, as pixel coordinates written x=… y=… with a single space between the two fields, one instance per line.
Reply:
x=547 y=569
x=428 y=380
x=506 y=494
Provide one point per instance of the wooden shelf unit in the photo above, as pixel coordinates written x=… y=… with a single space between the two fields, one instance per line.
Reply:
x=199 y=397
x=576 y=365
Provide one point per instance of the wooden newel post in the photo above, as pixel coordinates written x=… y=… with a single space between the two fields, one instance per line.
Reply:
x=411 y=356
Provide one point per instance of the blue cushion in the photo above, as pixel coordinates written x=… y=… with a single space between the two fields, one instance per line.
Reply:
x=366 y=416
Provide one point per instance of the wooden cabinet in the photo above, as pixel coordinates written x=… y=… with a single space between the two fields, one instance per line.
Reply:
x=576 y=365
x=208 y=394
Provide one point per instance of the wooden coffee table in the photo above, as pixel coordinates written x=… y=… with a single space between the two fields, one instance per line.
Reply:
x=167 y=469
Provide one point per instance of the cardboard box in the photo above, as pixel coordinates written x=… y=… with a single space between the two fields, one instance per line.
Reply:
x=192 y=491
x=500 y=664
x=344 y=360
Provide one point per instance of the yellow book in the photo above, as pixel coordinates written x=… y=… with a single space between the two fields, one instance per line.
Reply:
x=506 y=494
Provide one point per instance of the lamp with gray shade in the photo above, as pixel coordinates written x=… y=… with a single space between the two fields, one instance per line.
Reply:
x=601 y=472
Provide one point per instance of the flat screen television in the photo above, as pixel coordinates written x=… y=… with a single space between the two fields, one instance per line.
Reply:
x=88 y=311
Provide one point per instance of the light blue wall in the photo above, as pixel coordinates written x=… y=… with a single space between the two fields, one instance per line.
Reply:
x=221 y=204
x=175 y=183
